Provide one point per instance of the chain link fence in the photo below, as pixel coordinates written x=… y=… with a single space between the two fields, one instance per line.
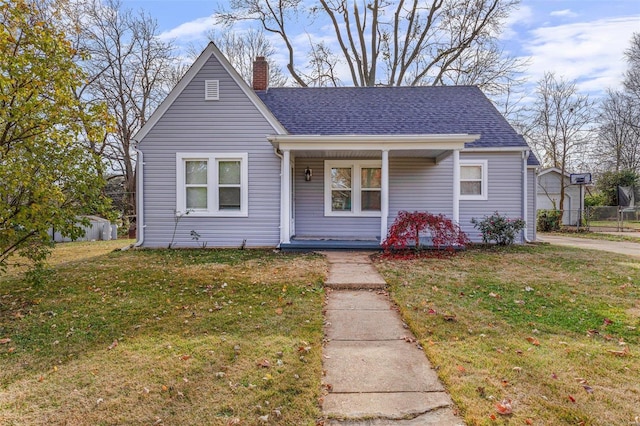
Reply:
x=600 y=218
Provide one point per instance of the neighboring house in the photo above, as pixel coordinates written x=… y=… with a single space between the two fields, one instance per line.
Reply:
x=549 y=185
x=321 y=167
x=98 y=229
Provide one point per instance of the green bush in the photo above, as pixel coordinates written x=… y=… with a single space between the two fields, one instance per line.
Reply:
x=595 y=200
x=549 y=220
x=499 y=228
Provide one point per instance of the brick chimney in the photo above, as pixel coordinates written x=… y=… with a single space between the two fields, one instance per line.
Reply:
x=260 y=73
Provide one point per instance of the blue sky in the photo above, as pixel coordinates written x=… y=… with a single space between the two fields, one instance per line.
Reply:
x=581 y=40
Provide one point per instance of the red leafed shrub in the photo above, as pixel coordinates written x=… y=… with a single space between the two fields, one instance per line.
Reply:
x=408 y=227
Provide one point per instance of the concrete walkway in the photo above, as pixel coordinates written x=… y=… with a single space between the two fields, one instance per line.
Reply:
x=375 y=373
x=621 y=247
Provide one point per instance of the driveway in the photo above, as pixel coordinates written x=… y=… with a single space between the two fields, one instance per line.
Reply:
x=621 y=247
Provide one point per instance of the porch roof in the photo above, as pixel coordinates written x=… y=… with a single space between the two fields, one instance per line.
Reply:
x=429 y=146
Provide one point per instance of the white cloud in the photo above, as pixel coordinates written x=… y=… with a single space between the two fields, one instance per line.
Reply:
x=589 y=52
x=190 y=31
x=523 y=15
x=565 y=13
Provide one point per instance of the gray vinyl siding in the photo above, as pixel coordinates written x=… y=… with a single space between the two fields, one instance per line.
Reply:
x=231 y=125
x=532 y=207
x=504 y=190
x=310 y=221
x=417 y=184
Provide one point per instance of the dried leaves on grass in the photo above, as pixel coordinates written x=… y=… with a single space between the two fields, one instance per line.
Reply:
x=165 y=337
x=530 y=322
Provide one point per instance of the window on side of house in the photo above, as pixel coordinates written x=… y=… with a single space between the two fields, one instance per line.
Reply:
x=352 y=188
x=210 y=184
x=473 y=180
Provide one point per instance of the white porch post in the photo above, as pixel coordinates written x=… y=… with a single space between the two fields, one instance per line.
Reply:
x=456 y=186
x=384 y=195
x=285 y=199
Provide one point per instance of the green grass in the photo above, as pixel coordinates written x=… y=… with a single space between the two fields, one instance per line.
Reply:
x=595 y=235
x=192 y=328
x=628 y=224
x=534 y=324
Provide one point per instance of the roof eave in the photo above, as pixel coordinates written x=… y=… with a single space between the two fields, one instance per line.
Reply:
x=371 y=142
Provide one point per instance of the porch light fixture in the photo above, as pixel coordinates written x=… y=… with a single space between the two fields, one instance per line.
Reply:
x=307 y=174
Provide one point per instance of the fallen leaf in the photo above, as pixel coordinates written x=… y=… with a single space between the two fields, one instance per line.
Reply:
x=164 y=388
x=607 y=321
x=185 y=357
x=4 y=341
x=624 y=352
x=533 y=341
x=588 y=388
x=504 y=407
x=431 y=311
x=264 y=363
x=528 y=422
x=554 y=376
x=494 y=295
x=264 y=419
x=279 y=311
x=572 y=399
x=461 y=368
x=493 y=417
x=113 y=345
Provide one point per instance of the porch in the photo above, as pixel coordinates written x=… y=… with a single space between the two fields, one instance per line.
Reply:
x=314 y=244
x=320 y=211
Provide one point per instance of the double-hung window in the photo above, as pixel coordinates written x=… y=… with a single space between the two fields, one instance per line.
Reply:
x=352 y=188
x=473 y=180
x=212 y=184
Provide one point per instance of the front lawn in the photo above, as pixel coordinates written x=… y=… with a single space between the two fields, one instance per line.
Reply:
x=555 y=330
x=173 y=337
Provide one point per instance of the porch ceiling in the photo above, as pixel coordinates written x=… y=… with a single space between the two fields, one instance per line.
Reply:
x=416 y=153
x=434 y=146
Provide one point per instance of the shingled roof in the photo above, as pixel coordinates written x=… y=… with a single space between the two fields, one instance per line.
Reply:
x=392 y=111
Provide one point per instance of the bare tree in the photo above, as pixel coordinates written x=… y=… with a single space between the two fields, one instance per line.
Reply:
x=323 y=65
x=242 y=48
x=392 y=42
x=560 y=125
x=632 y=76
x=129 y=69
x=618 y=144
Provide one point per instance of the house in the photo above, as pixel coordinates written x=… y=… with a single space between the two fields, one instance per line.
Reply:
x=550 y=181
x=321 y=167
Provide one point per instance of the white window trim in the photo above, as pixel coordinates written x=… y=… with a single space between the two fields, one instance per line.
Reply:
x=484 y=187
x=212 y=184
x=356 y=166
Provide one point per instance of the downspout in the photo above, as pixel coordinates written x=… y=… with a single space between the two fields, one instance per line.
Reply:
x=139 y=197
x=525 y=195
x=282 y=165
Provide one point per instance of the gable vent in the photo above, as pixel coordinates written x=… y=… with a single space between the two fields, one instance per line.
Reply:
x=211 y=90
